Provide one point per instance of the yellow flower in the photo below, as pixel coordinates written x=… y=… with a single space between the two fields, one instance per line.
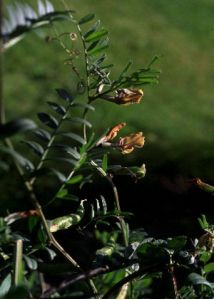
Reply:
x=128 y=143
x=125 y=96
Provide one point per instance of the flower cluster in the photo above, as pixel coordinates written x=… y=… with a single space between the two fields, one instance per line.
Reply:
x=126 y=144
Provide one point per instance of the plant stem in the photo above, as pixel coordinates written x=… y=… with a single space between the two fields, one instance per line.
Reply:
x=116 y=197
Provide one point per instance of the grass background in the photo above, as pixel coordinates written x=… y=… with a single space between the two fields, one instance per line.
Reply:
x=176 y=116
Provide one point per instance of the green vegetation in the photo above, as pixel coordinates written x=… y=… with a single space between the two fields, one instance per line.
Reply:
x=176 y=116
x=64 y=232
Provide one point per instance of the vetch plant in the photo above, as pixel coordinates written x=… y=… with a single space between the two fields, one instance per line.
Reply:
x=122 y=263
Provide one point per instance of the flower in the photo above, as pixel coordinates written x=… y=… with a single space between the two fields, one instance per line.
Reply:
x=128 y=143
x=125 y=96
x=111 y=134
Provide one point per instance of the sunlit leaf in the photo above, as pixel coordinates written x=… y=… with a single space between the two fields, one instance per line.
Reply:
x=65 y=222
x=96 y=36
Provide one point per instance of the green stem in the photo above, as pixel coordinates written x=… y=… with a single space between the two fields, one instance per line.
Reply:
x=116 y=197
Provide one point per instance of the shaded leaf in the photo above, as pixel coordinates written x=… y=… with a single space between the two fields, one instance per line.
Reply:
x=16 y=126
x=69 y=150
x=57 y=108
x=64 y=159
x=19 y=158
x=177 y=243
x=5 y=285
x=51 y=253
x=86 y=19
x=48 y=120
x=75 y=137
x=80 y=121
x=31 y=262
x=83 y=105
x=4 y=166
x=197 y=279
x=37 y=148
x=43 y=134
x=64 y=94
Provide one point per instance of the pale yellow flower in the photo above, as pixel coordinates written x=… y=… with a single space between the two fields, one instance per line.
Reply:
x=128 y=143
x=125 y=96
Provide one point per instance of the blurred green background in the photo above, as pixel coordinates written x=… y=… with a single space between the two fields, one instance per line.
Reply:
x=176 y=115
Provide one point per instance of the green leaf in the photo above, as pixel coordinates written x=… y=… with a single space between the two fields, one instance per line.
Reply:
x=98 y=49
x=92 y=29
x=64 y=159
x=83 y=105
x=75 y=137
x=62 y=193
x=46 y=171
x=197 y=279
x=18 y=270
x=80 y=121
x=96 y=36
x=57 y=108
x=203 y=222
x=205 y=256
x=75 y=179
x=65 y=222
x=4 y=166
x=124 y=71
x=18 y=292
x=64 y=95
x=51 y=253
x=32 y=222
x=86 y=19
x=58 y=174
x=19 y=158
x=48 y=120
x=151 y=254
x=69 y=150
x=43 y=134
x=105 y=162
x=209 y=268
x=37 y=148
x=5 y=285
x=177 y=243
x=16 y=126
x=31 y=262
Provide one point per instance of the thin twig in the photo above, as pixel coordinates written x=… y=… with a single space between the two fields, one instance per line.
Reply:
x=116 y=197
